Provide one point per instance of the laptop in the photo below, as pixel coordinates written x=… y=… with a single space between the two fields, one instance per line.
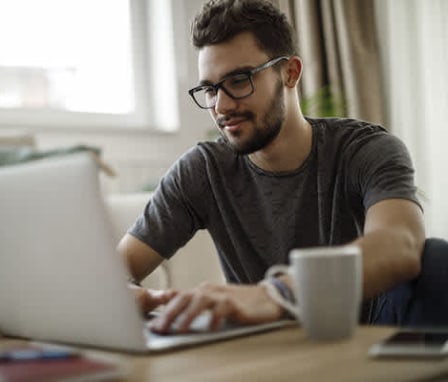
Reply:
x=61 y=279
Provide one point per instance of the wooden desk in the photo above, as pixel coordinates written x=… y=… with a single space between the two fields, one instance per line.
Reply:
x=282 y=355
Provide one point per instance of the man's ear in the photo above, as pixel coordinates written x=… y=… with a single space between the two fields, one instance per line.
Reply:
x=293 y=71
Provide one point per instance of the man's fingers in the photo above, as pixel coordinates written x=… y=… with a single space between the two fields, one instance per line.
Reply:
x=199 y=302
x=224 y=307
x=243 y=304
x=149 y=299
x=161 y=296
x=172 y=311
x=180 y=313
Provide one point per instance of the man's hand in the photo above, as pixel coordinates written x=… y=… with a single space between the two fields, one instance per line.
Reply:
x=150 y=299
x=246 y=304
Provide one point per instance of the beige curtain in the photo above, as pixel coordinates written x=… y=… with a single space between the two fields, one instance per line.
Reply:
x=338 y=44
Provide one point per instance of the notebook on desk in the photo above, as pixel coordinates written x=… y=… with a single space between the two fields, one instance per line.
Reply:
x=60 y=277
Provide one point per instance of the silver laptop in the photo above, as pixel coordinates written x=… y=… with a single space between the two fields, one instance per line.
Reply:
x=61 y=279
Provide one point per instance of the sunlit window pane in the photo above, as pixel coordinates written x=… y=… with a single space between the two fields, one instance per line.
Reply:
x=72 y=55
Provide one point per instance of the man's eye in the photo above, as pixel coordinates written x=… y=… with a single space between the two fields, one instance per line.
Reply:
x=208 y=90
x=238 y=80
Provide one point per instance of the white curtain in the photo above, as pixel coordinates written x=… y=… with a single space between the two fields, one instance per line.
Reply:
x=414 y=48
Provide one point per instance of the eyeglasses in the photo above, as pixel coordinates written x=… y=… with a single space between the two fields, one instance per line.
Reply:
x=236 y=86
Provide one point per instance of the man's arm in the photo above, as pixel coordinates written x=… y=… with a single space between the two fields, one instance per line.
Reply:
x=141 y=260
x=392 y=245
x=247 y=304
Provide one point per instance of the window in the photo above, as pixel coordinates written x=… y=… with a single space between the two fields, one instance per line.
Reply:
x=415 y=52
x=87 y=63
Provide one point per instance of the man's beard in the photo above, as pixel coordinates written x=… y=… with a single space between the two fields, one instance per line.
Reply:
x=262 y=135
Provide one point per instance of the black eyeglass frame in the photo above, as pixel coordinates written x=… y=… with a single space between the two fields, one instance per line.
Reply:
x=219 y=85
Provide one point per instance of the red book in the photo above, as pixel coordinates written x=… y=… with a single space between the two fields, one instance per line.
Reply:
x=71 y=369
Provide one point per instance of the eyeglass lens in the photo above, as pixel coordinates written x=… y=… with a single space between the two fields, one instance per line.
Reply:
x=236 y=86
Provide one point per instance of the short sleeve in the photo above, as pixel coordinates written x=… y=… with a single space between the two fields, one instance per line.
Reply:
x=381 y=168
x=172 y=216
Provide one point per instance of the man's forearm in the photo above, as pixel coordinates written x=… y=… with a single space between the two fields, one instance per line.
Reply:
x=392 y=245
x=389 y=258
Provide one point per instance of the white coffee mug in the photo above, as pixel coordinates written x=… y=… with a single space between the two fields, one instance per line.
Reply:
x=327 y=287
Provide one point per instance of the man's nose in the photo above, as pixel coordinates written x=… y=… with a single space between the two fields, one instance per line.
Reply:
x=224 y=103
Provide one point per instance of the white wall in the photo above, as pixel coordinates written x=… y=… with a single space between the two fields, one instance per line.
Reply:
x=142 y=157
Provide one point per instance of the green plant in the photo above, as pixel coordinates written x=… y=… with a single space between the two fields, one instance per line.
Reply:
x=325 y=103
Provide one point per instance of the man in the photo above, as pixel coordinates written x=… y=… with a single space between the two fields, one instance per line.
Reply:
x=274 y=181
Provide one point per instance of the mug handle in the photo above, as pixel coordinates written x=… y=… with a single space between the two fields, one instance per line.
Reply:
x=277 y=269
x=275 y=294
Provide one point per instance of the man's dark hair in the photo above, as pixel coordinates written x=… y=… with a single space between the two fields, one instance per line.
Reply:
x=221 y=20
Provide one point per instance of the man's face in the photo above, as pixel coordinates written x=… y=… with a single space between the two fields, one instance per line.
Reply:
x=251 y=123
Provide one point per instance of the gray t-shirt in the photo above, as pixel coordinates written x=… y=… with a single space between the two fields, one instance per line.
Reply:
x=256 y=217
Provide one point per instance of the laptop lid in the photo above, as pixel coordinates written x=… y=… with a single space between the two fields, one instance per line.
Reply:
x=60 y=276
